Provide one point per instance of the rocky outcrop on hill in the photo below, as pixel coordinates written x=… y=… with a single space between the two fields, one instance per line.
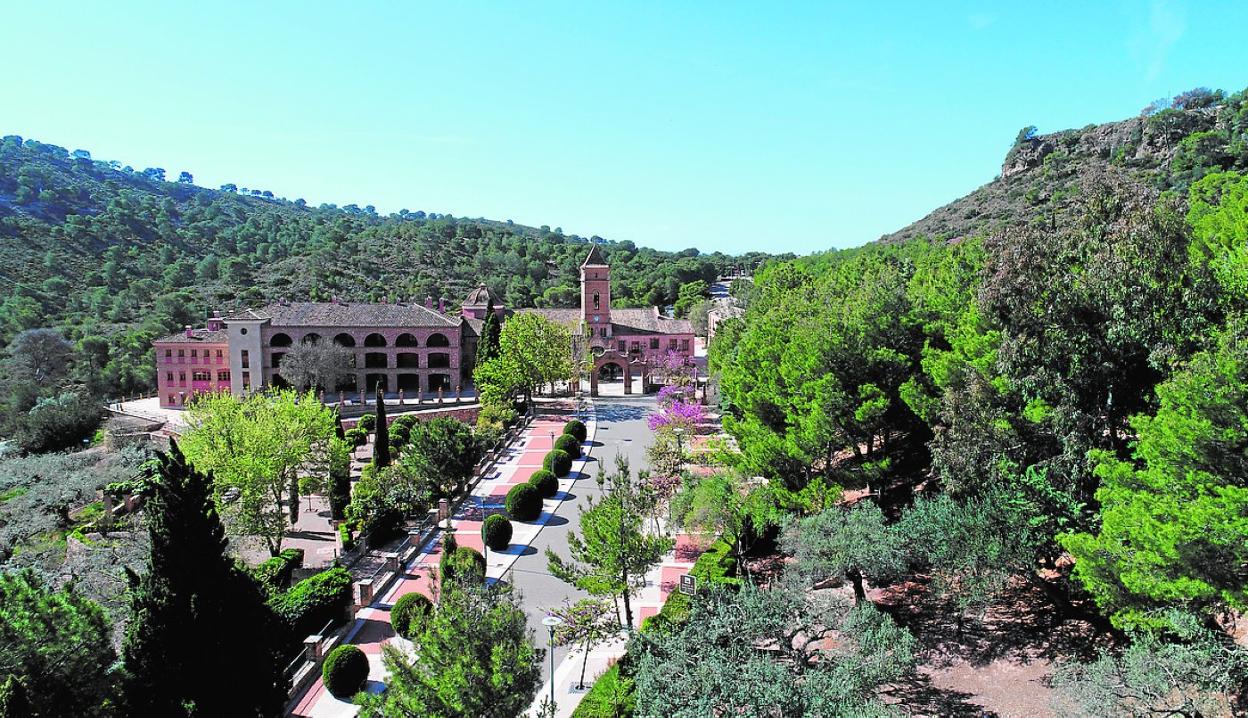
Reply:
x=1041 y=172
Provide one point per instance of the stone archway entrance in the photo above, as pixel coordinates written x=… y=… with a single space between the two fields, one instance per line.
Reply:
x=611 y=372
x=611 y=366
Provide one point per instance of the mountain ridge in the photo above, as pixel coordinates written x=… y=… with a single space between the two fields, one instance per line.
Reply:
x=1167 y=146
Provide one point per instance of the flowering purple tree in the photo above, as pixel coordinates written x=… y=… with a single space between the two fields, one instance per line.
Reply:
x=680 y=414
x=672 y=393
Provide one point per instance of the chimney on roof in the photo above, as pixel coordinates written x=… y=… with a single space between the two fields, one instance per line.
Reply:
x=190 y=333
x=442 y=304
x=428 y=302
x=215 y=322
x=385 y=300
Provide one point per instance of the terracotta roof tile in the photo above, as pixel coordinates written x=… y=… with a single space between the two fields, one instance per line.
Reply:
x=347 y=314
x=198 y=336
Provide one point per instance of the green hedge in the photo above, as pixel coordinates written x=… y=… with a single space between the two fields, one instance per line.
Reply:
x=717 y=565
x=576 y=429
x=275 y=572
x=569 y=444
x=545 y=483
x=348 y=540
x=314 y=601
x=558 y=462
x=496 y=532
x=523 y=503
x=407 y=615
x=611 y=696
x=344 y=672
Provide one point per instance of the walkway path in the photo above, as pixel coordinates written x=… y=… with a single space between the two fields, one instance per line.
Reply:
x=372 y=625
x=616 y=426
x=622 y=430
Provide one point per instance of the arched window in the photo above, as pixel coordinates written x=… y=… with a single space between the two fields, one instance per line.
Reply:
x=597 y=301
x=311 y=338
x=406 y=340
x=374 y=340
x=280 y=340
x=438 y=340
x=344 y=340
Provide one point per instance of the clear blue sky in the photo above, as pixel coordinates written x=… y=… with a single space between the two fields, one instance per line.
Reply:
x=725 y=126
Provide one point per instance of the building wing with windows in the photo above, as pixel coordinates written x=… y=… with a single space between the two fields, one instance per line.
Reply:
x=402 y=346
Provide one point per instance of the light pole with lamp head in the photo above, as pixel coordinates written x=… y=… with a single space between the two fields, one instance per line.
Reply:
x=551 y=622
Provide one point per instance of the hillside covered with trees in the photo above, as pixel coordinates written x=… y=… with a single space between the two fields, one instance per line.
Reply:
x=1052 y=400
x=112 y=257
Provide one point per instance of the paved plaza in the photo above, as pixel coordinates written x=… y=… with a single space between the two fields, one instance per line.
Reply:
x=617 y=425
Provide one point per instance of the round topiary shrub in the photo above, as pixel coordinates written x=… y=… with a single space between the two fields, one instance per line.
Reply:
x=577 y=430
x=368 y=421
x=465 y=565
x=545 y=483
x=408 y=614
x=345 y=671
x=558 y=462
x=496 y=532
x=569 y=444
x=524 y=503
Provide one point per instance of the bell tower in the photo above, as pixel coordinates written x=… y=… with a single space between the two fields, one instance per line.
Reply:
x=596 y=293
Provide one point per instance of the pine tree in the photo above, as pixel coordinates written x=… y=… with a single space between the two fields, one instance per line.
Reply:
x=381 y=441
x=201 y=641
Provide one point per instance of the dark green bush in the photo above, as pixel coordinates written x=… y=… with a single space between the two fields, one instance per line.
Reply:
x=408 y=614
x=348 y=540
x=345 y=671
x=275 y=572
x=545 y=483
x=357 y=436
x=313 y=602
x=524 y=503
x=496 y=532
x=464 y=564
x=339 y=493
x=558 y=462
x=569 y=444
x=577 y=430
x=368 y=421
x=59 y=422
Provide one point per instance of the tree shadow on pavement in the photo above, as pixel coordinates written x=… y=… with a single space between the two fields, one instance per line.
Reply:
x=920 y=697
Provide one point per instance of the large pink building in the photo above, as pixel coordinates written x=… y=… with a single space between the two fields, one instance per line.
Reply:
x=406 y=346
x=192 y=362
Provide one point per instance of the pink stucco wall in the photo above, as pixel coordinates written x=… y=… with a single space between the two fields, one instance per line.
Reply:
x=177 y=364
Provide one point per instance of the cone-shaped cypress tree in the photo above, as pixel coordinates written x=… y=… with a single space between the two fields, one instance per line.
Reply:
x=487 y=345
x=381 y=443
x=201 y=641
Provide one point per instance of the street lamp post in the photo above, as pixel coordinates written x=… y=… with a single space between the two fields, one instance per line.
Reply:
x=551 y=622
